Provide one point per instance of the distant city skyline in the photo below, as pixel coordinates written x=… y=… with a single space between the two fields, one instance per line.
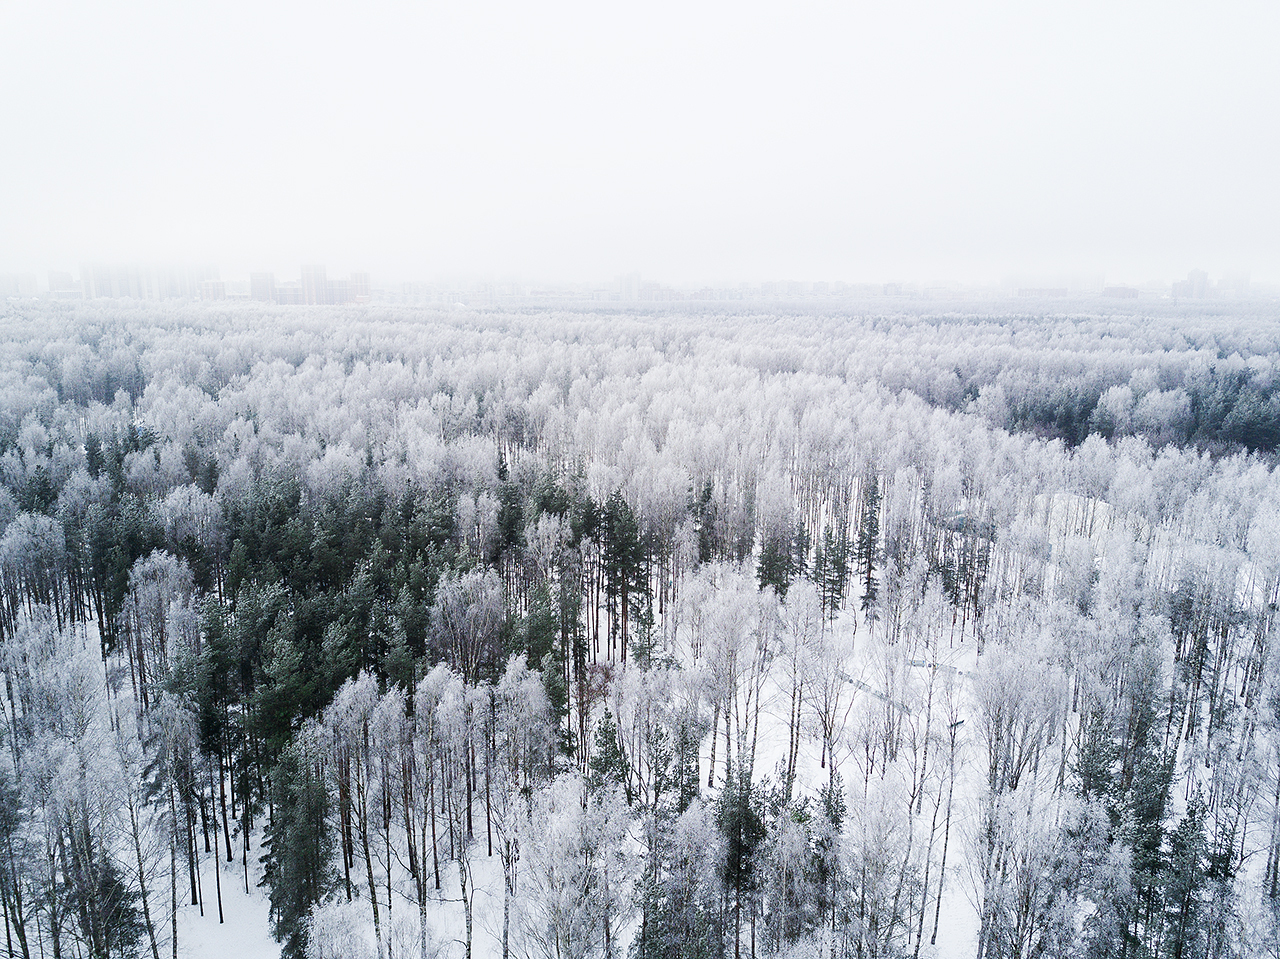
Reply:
x=317 y=285
x=100 y=271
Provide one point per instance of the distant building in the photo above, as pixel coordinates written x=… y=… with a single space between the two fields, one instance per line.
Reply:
x=360 y=287
x=314 y=286
x=161 y=283
x=63 y=285
x=100 y=280
x=213 y=290
x=1234 y=284
x=1120 y=292
x=182 y=283
x=262 y=287
x=289 y=292
x=1042 y=291
x=627 y=287
x=18 y=284
x=1195 y=286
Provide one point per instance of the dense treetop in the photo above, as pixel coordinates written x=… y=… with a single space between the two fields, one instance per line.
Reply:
x=742 y=608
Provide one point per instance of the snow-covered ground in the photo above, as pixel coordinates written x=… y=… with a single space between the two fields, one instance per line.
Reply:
x=244 y=932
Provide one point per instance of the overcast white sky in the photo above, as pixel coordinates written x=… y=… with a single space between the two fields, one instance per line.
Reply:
x=692 y=142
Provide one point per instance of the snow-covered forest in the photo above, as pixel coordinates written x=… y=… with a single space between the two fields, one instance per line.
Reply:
x=922 y=633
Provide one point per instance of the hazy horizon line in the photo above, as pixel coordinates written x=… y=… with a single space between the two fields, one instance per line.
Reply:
x=1069 y=280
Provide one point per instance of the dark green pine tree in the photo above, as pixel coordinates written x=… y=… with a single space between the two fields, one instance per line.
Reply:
x=1096 y=761
x=98 y=894
x=1184 y=881
x=868 y=542
x=831 y=569
x=536 y=637
x=800 y=545
x=1142 y=810
x=608 y=766
x=626 y=585
x=681 y=917
x=703 y=509
x=299 y=847
x=775 y=565
x=741 y=817
x=510 y=512
x=828 y=876
x=820 y=577
x=837 y=545
x=685 y=769
x=94 y=460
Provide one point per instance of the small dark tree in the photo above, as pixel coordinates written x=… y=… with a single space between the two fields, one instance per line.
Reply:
x=1184 y=885
x=1096 y=760
x=741 y=818
x=299 y=846
x=110 y=923
x=626 y=586
x=703 y=510
x=775 y=565
x=831 y=569
x=867 y=547
x=801 y=542
x=608 y=765
x=828 y=879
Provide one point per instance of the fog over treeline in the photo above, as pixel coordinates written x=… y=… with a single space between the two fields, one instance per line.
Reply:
x=643 y=633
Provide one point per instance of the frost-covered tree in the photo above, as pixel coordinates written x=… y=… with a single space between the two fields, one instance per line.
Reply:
x=576 y=874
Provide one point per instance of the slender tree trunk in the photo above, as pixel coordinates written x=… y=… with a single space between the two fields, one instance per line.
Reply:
x=386 y=845
x=435 y=844
x=715 y=726
x=193 y=861
x=368 y=864
x=19 y=920
x=244 y=848
x=608 y=925
x=737 y=921
x=344 y=821
x=55 y=907
x=946 y=839
x=136 y=828
x=488 y=768
x=4 y=905
x=506 y=900
x=173 y=875
x=217 y=866
x=463 y=869
x=222 y=796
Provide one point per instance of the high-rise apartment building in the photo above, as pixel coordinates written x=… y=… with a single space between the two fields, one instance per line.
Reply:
x=161 y=283
x=314 y=285
x=314 y=288
x=18 y=284
x=1195 y=286
x=289 y=292
x=359 y=286
x=213 y=290
x=63 y=284
x=262 y=287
